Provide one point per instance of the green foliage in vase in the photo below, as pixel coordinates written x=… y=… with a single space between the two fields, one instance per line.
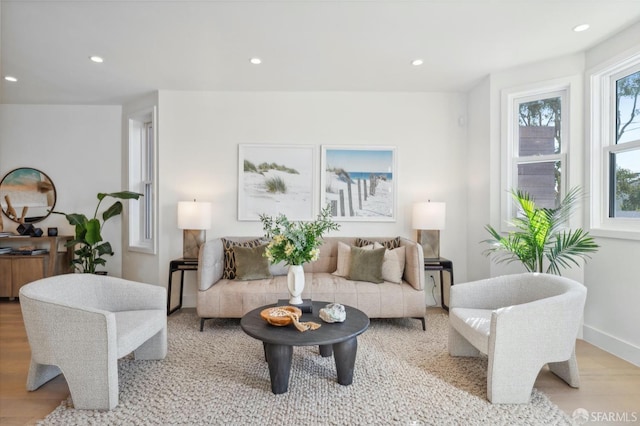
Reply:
x=88 y=243
x=296 y=243
x=540 y=236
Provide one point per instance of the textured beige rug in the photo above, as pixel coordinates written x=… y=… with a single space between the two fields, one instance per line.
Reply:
x=403 y=376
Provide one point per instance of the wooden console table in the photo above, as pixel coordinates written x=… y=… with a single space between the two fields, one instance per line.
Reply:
x=18 y=270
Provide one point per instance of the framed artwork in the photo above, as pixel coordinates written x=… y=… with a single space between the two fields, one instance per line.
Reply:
x=274 y=179
x=359 y=183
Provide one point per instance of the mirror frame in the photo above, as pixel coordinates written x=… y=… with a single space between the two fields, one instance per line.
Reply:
x=30 y=181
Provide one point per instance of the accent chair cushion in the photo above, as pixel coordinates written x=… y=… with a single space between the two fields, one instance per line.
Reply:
x=251 y=263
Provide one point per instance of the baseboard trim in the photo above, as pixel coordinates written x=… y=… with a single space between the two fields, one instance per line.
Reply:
x=611 y=344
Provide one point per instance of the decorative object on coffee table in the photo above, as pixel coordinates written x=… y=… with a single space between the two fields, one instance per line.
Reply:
x=296 y=243
x=279 y=315
x=333 y=312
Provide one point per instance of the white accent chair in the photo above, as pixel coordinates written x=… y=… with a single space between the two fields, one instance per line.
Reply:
x=521 y=322
x=81 y=324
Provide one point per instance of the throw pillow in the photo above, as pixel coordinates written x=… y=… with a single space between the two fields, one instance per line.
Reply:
x=229 y=271
x=251 y=263
x=344 y=259
x=393 y=264
x=389 y=244
x=366 y=265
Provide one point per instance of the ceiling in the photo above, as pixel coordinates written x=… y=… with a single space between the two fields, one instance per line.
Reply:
x=305 y=45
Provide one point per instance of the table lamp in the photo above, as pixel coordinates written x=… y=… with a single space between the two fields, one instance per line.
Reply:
x=428 y=219
x=193 y=218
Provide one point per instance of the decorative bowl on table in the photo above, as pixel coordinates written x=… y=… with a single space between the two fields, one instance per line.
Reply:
x=280 y=315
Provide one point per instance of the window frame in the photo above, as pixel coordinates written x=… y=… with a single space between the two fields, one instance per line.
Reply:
x=142 y=177
x=511 y=99
x=602 y=134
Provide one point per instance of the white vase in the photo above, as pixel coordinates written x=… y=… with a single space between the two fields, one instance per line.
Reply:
x=295 y=283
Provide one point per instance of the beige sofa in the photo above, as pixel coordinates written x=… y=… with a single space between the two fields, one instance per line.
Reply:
x=226 y=298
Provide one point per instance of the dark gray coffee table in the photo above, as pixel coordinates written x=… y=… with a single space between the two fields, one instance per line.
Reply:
x=339 y=339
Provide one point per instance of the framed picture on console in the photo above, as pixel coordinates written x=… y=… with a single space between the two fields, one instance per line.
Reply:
x=359 y=182
x=274 y=179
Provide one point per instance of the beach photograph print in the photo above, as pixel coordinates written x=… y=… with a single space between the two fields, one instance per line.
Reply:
x=359 y=183
x=274 y=179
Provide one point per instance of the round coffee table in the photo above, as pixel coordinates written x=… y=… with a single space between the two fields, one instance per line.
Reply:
x=339 y=339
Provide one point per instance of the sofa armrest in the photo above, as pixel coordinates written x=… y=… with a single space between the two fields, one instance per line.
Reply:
x=414 y=263
x=210 y=264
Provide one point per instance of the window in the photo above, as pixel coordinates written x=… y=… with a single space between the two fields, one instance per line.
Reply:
x=615 y=143
x=536 y=145
x=624 y=155
x=142 y=172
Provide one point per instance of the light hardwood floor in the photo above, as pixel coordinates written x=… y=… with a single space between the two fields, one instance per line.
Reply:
x=608 y=384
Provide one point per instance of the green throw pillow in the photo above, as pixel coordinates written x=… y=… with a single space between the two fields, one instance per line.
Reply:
x=251 y=263
x=229 y=270
x=366 y=265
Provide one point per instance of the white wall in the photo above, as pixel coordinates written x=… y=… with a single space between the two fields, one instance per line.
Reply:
x=200 y=133
x=479 y=166
x=612 y=316
x=78 y=147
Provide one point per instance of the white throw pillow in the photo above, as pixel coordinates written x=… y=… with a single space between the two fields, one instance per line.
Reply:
x=392 y=264
x=344 y=258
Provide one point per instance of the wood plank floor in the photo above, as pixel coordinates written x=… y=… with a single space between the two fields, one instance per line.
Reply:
x=608 y=384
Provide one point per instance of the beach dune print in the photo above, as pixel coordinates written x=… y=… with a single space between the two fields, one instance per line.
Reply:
x=274 y=180
x=359 y=183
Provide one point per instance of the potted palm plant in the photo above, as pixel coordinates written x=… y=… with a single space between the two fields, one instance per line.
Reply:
x=540 y=236
x=88 y=233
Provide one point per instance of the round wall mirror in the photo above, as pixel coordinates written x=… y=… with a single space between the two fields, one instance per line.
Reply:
x=27 y=195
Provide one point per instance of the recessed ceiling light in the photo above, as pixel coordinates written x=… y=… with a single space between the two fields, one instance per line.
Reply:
x=417 y=62
x=10 y=78
x=96 y=59
x=581 y=27
x=255 y=61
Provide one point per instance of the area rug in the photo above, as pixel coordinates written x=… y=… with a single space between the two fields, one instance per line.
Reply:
x=403 y=376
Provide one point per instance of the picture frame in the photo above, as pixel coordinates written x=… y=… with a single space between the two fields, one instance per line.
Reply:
x=277 y=179
x=368 y=173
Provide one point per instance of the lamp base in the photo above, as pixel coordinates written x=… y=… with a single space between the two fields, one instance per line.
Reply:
x=192 y=239
x=430 y=242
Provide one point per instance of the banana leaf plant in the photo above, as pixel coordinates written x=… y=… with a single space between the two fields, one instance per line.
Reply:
x=89 y=245
x=541 y=237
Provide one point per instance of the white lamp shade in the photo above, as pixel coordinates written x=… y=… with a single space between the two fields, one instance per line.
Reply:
x=429 y=215
x=194 y=215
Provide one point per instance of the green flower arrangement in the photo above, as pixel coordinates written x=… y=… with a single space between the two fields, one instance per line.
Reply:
x=296 y=243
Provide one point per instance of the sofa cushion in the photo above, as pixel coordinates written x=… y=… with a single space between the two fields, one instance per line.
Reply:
x=389 y=244
x=392 y=264
x=229 y=271
x=344 y=259
x=251 y=263
x=366 y=265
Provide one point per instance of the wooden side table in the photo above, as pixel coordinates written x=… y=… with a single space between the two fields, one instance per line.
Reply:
x=180 y=265
x=440 y=264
